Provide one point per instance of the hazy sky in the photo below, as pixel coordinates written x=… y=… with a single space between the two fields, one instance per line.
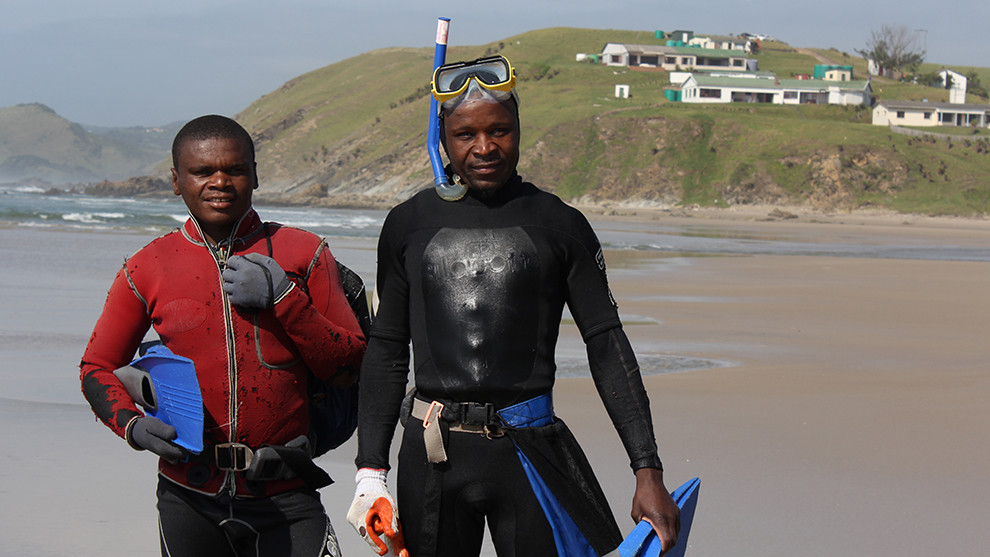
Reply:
x=126 y=62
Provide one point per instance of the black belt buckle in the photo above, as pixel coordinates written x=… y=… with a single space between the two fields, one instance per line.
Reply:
x=476 y=413
x=233 y=457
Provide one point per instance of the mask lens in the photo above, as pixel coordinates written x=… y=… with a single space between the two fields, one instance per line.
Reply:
x=488 y=78
x=457 y=81
x=454 y=82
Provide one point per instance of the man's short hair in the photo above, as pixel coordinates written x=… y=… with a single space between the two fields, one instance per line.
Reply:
x=211 y=126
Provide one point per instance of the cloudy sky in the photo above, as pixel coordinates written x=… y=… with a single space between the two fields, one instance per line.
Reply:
x=126 y=62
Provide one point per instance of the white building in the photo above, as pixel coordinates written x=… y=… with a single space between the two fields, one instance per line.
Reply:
x=922 y=113
x=675 y=57
x=957 y=85
x=759 y=88
x=720 y=42
x=679 y=77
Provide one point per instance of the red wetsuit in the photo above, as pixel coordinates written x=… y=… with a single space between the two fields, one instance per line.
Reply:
x=251 y=364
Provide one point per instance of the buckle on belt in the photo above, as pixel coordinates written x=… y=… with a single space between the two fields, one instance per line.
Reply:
x=477 y=413
x=429 y=413
x=233 y=457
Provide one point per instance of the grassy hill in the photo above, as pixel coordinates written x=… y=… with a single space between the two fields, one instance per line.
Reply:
x=355 y=132
x=36 y=143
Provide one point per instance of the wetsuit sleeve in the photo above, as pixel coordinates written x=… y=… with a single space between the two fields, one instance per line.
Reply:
x=588 y=296
x=321 y=324
x=385 y=370
x=620 y=385
x=610 y=356
x=114 y=341
x=383 y=384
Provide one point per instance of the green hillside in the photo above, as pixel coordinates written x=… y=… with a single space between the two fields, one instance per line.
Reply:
x=36 y=143
x=354 y=133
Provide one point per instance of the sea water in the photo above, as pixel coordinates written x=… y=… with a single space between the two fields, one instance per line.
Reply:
x=31 y=207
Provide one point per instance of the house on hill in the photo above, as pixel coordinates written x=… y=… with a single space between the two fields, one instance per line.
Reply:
x=708 y=59
x=923 y=113
x=720 y=42
x=633 y=55
x=761 y=88
x=678 y=78
x=681 y=35
x=956 y=83
x=640 y=56
x=832 y=72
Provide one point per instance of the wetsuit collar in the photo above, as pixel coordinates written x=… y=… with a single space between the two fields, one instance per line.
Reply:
x=507 y=191
x=245 y=226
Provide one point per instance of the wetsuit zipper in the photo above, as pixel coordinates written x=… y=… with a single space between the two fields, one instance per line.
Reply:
x=221 y=257
x=220 y=254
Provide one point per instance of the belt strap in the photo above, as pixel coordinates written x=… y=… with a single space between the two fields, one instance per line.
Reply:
x=259 y=465
x=432 y=435
x=435 y=413
x=535 y=412
x=298 y=460
x=229 y=457
x=476 y=417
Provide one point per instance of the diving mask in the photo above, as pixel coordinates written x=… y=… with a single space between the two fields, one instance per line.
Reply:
x=490 y=78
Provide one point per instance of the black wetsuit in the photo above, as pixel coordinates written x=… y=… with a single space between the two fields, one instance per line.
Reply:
x=479 y=285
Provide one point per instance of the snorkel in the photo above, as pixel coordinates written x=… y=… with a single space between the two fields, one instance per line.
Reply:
x=446 y=190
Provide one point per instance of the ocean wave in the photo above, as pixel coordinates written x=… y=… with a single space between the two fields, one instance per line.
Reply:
x=27 y=189
x=355 y=223
x=320 y=219
x=27 y=207
x=93 y=218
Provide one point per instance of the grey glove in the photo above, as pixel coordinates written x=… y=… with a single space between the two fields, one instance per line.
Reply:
x=254 y=281
x=156 y=436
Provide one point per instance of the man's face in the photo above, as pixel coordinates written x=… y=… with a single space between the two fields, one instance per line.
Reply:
x=482 y=142
x=215 y=178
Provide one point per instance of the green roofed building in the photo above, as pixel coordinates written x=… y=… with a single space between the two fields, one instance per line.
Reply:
x=761 y=88
x=833 y=72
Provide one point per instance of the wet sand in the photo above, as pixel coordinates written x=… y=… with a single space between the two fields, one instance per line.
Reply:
x=851 y=418
x=854 y=420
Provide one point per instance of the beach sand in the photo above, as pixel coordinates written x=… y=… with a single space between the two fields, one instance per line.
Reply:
x=850 y=416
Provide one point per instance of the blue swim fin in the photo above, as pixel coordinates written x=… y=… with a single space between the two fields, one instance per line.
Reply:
x=643 y=541
x=176 y=392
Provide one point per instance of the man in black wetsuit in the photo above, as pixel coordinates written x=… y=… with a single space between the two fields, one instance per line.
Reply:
x=479 y=285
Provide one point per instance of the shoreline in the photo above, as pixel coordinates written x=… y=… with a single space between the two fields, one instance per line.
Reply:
x=606 y=209
x=781 y=214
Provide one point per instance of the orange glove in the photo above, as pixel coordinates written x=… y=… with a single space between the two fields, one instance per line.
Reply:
x=374 y=516
x=380 y=520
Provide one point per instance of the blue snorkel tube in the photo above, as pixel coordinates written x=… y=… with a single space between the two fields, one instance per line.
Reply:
x=446 y=190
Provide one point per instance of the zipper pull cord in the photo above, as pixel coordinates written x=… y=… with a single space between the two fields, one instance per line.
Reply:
x=222 y=253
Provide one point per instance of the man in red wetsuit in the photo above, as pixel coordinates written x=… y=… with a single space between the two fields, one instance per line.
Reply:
x=256 y=306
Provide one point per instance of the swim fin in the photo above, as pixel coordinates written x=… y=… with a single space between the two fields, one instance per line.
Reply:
x=643 y=541
x=175 y=390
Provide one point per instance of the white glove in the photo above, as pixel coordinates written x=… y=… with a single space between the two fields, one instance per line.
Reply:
x=374 y=515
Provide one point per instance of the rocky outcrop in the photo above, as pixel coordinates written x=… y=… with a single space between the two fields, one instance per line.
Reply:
x=140 y=186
